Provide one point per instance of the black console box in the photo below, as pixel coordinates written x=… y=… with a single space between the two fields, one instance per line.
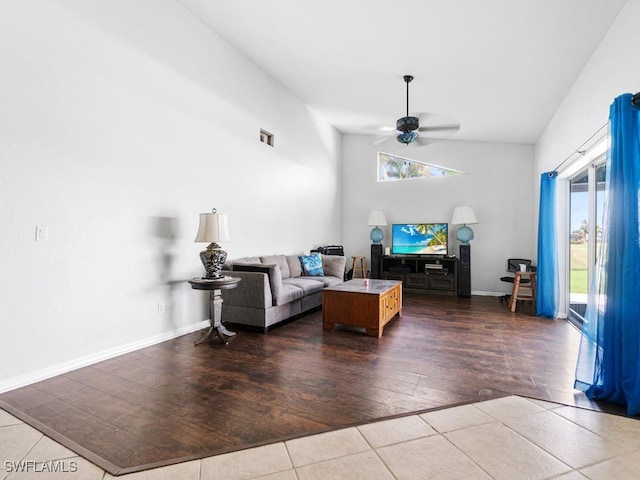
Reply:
x=330 y=250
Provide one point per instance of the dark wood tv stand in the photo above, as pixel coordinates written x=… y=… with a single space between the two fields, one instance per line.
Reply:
x=422 y=273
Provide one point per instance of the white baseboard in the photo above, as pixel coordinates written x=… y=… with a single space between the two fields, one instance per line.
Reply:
x=487 y=294
x=65 y=367
x=560 y=315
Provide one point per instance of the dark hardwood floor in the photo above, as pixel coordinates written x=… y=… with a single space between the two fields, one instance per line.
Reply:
x=175 y=401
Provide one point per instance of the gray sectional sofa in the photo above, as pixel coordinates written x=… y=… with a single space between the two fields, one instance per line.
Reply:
x=275 y=288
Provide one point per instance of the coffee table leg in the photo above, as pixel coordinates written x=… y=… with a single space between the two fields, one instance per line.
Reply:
x=374 y=332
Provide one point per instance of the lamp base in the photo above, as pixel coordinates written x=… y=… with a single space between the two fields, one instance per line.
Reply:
x=376 y=236
x=213 y=258
x=464 y=234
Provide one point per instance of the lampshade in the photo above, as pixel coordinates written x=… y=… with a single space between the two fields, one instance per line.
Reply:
x=463 y=216
x=213 y=228
x=377 y=219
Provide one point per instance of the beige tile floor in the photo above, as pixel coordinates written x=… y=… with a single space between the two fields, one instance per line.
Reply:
x=510 y=438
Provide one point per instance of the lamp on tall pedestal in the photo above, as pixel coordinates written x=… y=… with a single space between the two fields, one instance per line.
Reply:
x=376 y=220
x=213 y=228
x=464 y=216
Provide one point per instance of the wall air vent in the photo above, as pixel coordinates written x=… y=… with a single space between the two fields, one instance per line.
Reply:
x=266 y=137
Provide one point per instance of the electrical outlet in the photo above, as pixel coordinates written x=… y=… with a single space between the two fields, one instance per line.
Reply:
x=160 y=308
x=42 y=233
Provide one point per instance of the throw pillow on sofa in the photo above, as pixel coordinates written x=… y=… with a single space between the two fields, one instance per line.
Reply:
x=295 y=267
x=333 y=265
x=279 y=260
x=312 y=265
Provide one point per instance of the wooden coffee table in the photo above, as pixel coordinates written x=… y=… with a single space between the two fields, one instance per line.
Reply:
x=370 y=306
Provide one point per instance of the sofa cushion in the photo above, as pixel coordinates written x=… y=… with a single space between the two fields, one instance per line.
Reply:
x=289 y=293
x=333 y=265
x=279 y=260
x=295 y=266
x=272 y=271
x=308 y=285
x=312 y=265
x=328 y=281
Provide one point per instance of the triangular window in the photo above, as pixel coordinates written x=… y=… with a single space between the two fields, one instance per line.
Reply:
x=392 y=167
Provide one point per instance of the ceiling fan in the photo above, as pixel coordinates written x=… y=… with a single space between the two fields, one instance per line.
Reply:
x=409 y=130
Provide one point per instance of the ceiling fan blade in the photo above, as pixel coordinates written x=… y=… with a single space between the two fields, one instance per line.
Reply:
x=454 y=127
x=380 y=140
x=378 y=130
x=437 y=122
x=423 y=142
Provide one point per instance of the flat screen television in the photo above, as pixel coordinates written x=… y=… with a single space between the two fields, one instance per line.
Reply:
x=419 y=239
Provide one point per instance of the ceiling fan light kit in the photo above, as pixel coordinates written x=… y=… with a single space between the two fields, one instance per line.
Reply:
x=407 y=137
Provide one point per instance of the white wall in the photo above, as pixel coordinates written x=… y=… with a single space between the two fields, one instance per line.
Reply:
x=496 y=184
x=610 y=72
x=120 y=121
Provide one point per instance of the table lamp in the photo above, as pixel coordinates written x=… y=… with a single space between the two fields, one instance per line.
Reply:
x=213 y=228
x=376 y=220
x=464 y=216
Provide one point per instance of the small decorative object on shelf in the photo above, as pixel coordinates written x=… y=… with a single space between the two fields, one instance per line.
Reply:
x=213 y=228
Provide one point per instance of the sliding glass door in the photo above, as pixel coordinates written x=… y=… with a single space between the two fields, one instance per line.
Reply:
x=586 y=207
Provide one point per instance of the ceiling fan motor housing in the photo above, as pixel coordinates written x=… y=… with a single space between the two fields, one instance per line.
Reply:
x=407 y=124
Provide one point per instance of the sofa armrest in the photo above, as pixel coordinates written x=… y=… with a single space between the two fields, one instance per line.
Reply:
x=253 y=291
x=270 y=269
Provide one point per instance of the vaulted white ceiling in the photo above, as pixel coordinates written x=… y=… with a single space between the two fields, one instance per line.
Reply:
x=499 y=67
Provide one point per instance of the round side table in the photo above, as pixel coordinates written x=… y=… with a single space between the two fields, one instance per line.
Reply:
x=215 y=287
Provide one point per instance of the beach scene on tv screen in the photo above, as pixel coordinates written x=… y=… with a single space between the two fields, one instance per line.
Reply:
x=420 y=238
